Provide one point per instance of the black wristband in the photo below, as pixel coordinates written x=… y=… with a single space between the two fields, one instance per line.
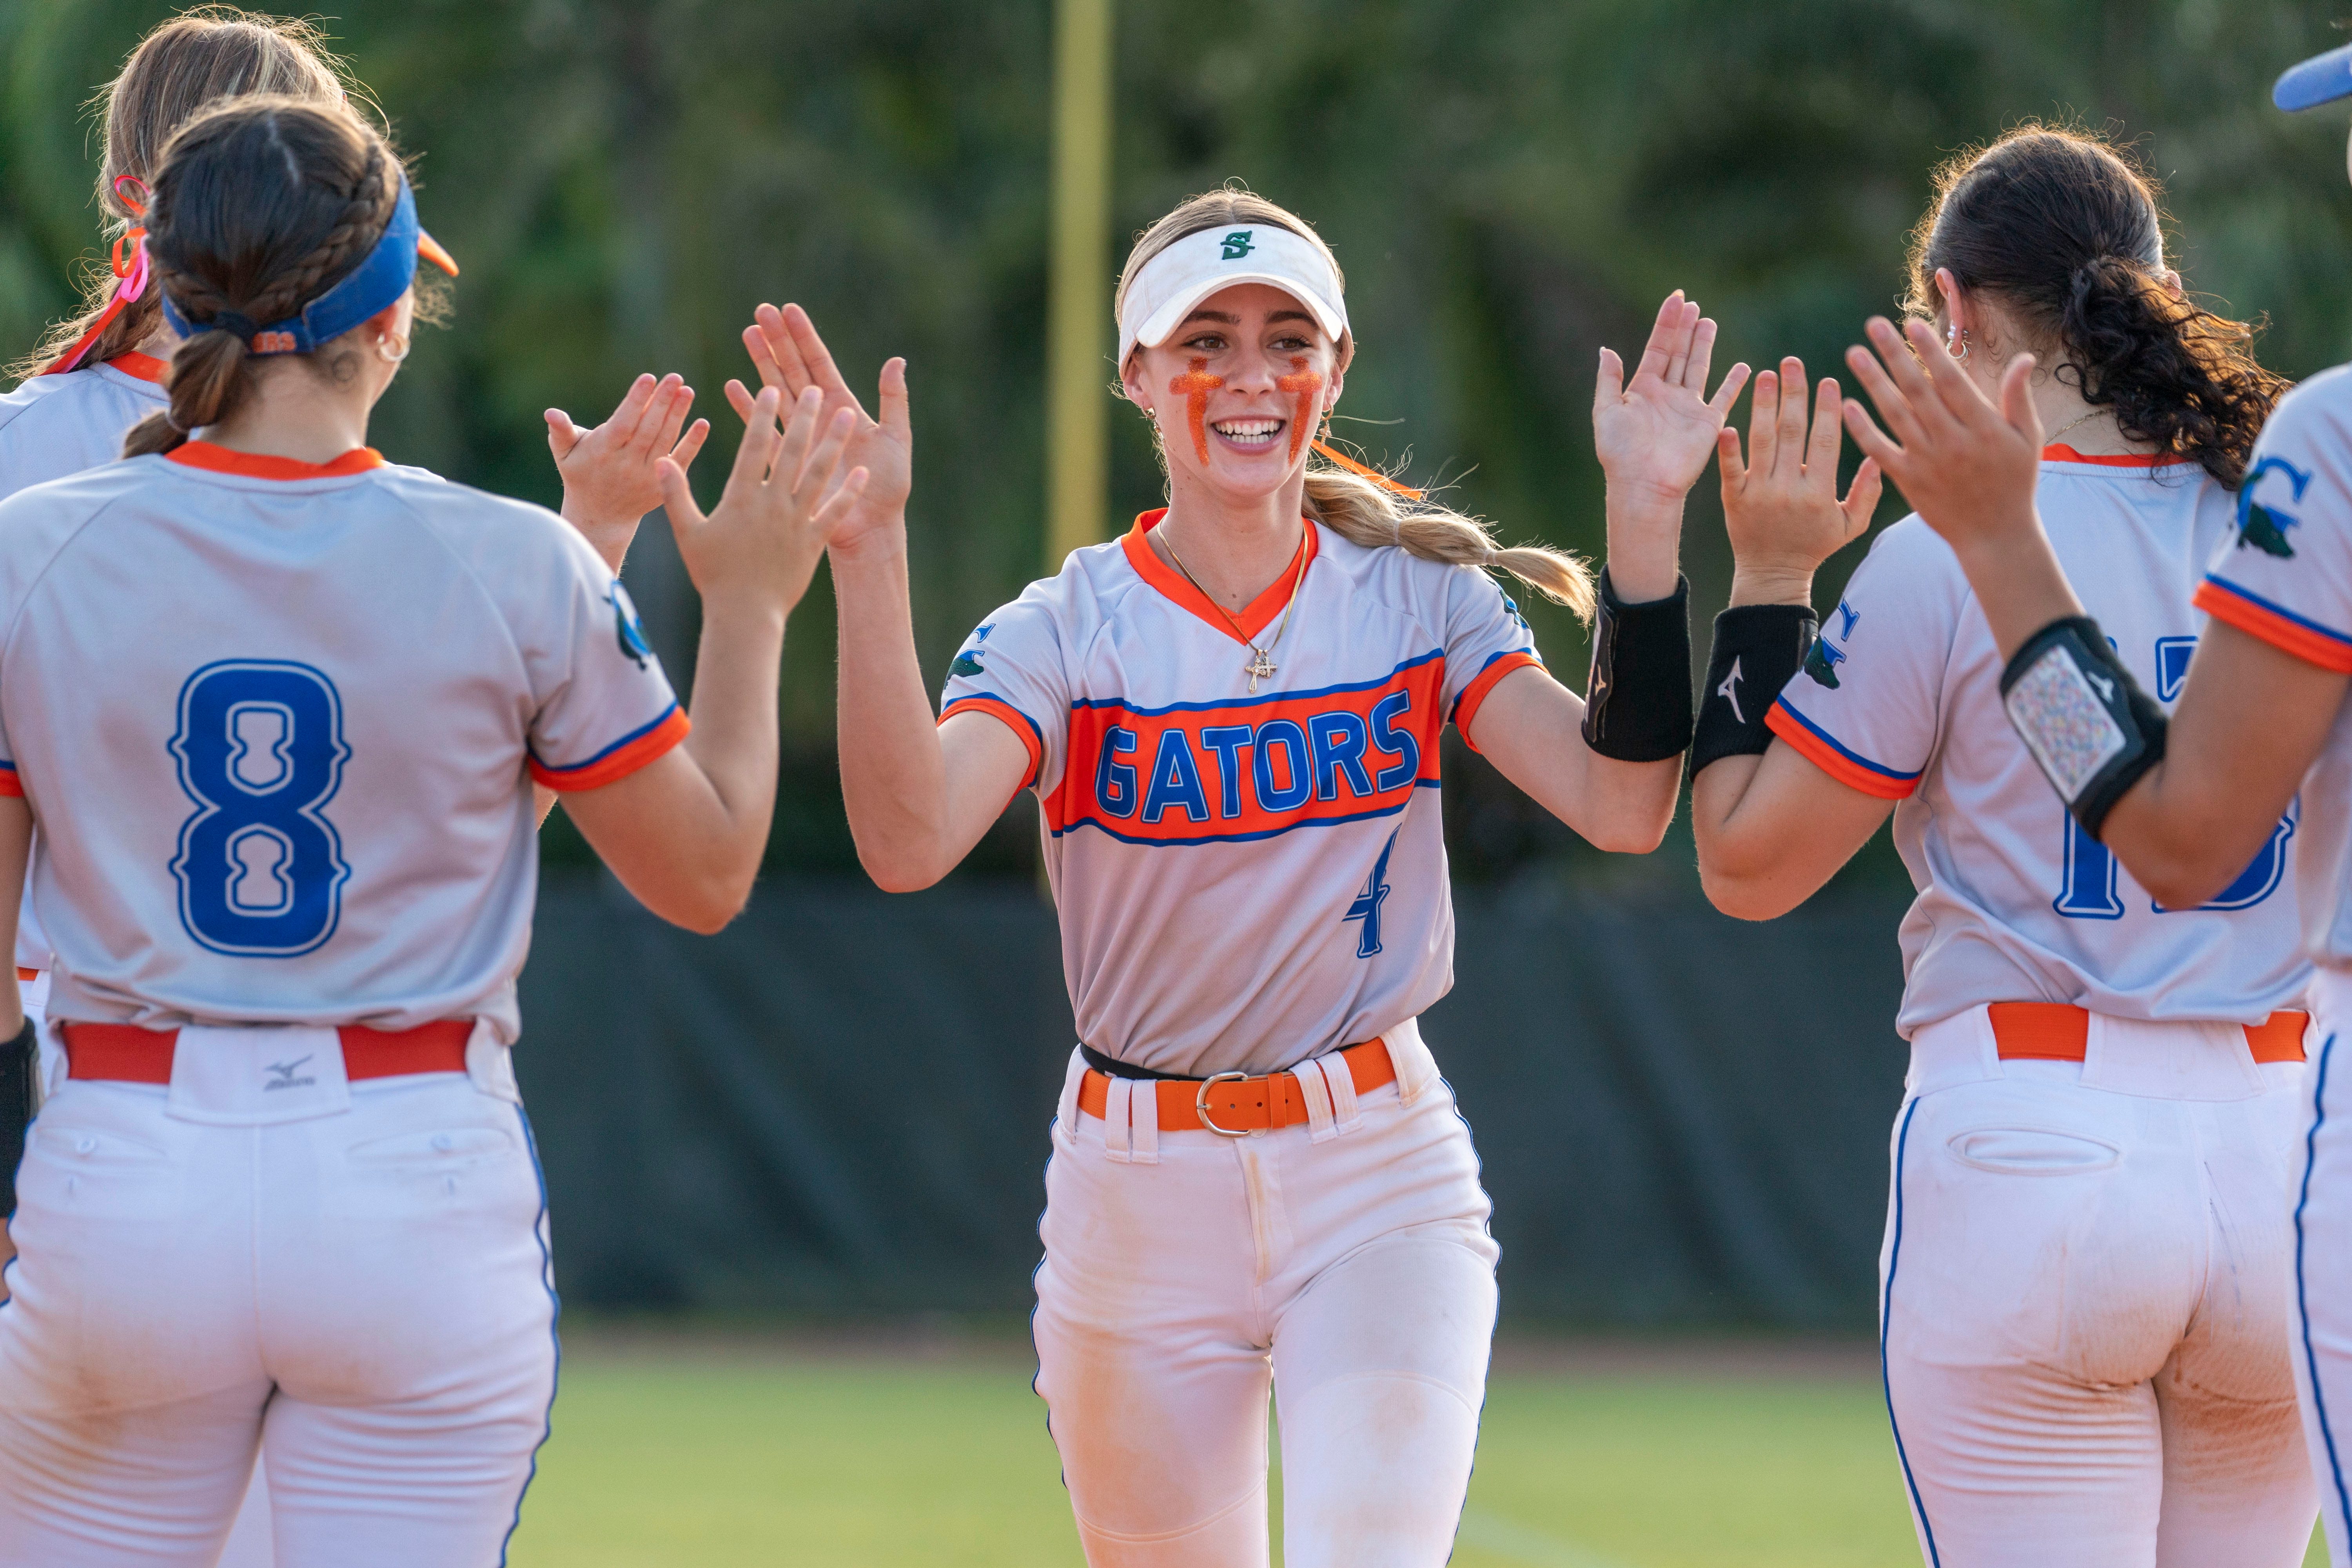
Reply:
x=17 y=1065
x=1637 y=703
x=1759 y=648
x=2085 y=719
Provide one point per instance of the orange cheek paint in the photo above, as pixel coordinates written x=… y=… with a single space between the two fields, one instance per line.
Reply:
x=1194 y=385
x=1306 y=388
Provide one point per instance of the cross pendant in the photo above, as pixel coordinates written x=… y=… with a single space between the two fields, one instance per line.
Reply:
x=1260 y=667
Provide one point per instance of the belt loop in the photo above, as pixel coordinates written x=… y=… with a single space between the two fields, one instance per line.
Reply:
x=1341 y=1081
x=1314 y=1089
x=1143 y=1128
x=1117 y=1112
x=1066 y=1110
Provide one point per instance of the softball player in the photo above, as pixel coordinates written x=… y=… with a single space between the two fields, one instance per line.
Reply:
x=282 y=1195
x=2084 y=1310
x=2259 y=728
x=1231 y=718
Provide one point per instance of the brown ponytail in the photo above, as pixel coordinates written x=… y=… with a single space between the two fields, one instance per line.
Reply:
x=260 y=206
x=198 y=57
x=1363 y=510
x=2064 y=228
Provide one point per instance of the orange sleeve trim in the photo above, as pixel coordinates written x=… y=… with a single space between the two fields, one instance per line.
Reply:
x=619 y=760
x=2275 y=625
x=1856 y=773
x=1012 y=719
x=1474 y=696
x=10 y=785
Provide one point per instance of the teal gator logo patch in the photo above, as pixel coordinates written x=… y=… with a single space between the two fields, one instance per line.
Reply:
x=1823 y=662
x=2263 y=527
x=965 y=664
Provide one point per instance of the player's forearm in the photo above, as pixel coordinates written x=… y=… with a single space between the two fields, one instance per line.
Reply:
x=1739 y=868
x=734 y=744
x=1532 y=729
x=608 y=535
x=893 y=778
x=2019 y=584
x=1645 y=527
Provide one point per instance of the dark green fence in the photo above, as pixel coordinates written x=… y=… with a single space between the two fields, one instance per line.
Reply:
x=840 y=1105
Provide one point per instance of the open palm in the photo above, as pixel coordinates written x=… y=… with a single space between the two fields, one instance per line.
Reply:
x=791 y=358
x=1657 y=431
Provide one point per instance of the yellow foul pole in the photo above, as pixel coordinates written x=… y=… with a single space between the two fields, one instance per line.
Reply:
x=1077 y=369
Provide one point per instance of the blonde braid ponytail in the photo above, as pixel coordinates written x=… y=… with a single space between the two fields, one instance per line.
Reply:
x=1364 y=512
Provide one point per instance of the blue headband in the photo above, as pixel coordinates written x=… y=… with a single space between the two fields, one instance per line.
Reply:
x=374 y=283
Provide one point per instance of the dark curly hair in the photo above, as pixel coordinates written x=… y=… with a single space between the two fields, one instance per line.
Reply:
x=2063 y=228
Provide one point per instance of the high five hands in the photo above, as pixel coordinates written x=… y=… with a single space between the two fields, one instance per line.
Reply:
x=1652 y=434
x=1781 y=505
x=791 y=358
x=609 y=480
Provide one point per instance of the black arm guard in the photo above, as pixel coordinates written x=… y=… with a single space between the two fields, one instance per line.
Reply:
x=1758 y=649
x=16 y=1069
x=1637 y=705
x=2082 y=715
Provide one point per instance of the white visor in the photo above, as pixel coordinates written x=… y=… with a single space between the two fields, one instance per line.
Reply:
x=1174 y=282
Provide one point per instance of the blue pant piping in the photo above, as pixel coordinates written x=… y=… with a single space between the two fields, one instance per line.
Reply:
x=1886 y=1314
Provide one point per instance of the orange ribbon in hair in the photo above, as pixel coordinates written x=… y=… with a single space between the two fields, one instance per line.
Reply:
x=1373 y=474
x=132 y=275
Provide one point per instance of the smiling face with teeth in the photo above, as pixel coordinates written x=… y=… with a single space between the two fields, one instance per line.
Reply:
x=1238 y=390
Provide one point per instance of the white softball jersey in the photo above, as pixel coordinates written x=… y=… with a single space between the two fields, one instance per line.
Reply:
x=55 y=426
x=277 y=724
x=2284 y=574
x=1901 y=699
x=1245 y=878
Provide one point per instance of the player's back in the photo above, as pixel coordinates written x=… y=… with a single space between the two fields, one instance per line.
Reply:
x=55 y=426
x=274 y=721
x=1902 y=698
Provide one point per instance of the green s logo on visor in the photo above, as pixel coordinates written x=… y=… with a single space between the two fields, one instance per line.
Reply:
x=1237 y=245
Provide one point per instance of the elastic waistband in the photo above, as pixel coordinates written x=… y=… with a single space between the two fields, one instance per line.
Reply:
x=2060 y=1032
x=125 y=1053
x=1236 y=1103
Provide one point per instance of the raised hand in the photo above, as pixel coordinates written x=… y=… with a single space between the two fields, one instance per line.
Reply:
x=1655 y=432
x=609 y=480
x=789 y=356
x=1968 y=467
x=1781 y=505
x=760 y=546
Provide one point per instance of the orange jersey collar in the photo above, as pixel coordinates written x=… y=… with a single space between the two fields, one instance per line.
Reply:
x=146 y=367
x=1178 y=588
x=256 y=465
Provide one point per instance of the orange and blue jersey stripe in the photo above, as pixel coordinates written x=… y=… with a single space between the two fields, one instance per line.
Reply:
x=1850 y=768
x=1012 y=719
x=619 y=760
x=1466 y=706
x=2275 y=625
x=1221 y=772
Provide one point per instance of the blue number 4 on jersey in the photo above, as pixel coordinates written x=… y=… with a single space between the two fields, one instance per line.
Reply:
x=1367 y=907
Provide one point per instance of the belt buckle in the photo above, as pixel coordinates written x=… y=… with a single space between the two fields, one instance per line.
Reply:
x=1201 y=1104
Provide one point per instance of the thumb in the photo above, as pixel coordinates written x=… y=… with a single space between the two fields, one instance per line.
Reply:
x=1861 y=501
x=895 y=417
x=1610 y=385
x=678 y=497
x=562 y=434
x=1728 y=463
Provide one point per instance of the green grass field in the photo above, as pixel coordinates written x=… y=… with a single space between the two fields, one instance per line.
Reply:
x=723 y=1451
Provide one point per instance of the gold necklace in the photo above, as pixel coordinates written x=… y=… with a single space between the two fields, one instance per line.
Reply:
x=1261 y=666
x=2080 y=419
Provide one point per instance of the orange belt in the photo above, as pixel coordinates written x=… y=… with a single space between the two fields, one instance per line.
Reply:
x=125 y=1053
x=1237 y=1103
x=2060 y=1032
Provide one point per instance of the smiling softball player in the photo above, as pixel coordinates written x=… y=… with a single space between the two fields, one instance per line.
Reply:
x=283 y=1196
x=1231 y=717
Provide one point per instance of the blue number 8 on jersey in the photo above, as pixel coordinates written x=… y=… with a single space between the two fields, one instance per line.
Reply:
x=261 y=749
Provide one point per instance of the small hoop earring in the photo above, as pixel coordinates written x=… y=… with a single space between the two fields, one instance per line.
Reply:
x=1959 y=345
x=383 y=349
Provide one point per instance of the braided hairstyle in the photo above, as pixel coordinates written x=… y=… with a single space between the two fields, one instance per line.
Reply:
x=2064 y=230
x=261 y=205
x=196 y=59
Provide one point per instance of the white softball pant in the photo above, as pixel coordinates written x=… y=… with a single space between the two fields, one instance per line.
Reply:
x=2084 y=1302
x=1347 y=1265
x=363 y=1296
